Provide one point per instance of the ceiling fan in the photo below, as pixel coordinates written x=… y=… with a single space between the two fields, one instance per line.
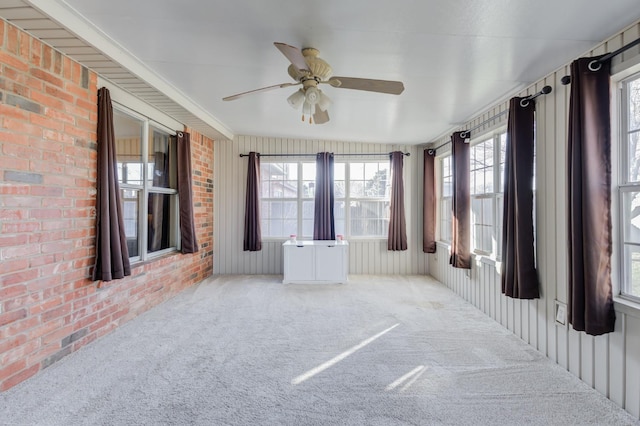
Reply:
x=308 y=70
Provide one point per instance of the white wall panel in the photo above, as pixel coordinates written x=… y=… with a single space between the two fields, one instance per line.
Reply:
x=610 y=363
x=366 y=256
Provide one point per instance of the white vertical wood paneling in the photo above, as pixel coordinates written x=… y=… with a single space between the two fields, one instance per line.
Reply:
x=609 y=363
x=366 y=256
x=632 y=360
x=616 y=367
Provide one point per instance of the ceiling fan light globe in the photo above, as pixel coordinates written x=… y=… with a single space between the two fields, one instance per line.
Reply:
x=324 y=102
x=296 y=99
x=312 y=95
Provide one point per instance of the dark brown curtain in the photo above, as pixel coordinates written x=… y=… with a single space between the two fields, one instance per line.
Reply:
x=461 y=203
x=252 y=231
x=112 y=255
x=519 y=276
x=590 y=304
x=323 y=222
x=429 y=202
x=397 y=239
x=189 y=241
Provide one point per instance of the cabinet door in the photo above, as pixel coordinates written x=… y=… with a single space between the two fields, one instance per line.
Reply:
x=330 y=262
x=300 y=265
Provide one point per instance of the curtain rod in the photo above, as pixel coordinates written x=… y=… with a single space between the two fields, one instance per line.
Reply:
x=523 y=103
x=309 y=155
x=596 y=63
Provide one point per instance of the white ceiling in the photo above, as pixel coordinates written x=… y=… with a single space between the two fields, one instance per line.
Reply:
x=455 y=57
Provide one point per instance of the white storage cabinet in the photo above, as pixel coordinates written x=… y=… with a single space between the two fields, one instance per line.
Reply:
x=315 y=262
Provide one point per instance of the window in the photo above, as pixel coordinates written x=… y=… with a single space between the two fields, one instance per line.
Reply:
x=365 y=187
x=446 y=204
x=487 y=188
x=362 y=198
x=147 y=175
x=282 y=203
x=629 y=188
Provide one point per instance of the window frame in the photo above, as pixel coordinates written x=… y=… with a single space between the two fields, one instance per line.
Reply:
x=442 y=198
x=496 y=136
x=621 y=185
x=300 y=198
x=145 y=189
x=499 y=138
x=348 y=198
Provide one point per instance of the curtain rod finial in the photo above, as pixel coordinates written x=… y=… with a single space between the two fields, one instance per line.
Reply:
x=565 y=80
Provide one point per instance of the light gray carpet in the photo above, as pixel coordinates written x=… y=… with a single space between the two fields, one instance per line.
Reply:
x=248 y=350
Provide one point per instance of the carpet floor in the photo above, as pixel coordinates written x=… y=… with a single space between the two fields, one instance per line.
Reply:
x=248 y=350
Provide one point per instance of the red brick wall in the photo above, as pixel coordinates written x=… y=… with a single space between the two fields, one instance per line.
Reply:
x=49 y=307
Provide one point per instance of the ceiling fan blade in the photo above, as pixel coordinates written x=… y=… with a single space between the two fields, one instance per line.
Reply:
x=294 y=55
x=320 y=116
x=263 y=89
x=369 y=85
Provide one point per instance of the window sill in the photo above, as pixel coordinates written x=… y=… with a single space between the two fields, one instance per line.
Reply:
x=355 y=239
x=155 y=258
x=626 y=306
x=477 y=257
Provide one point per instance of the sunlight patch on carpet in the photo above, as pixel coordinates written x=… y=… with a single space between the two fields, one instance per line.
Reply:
x=413 y=375
x=319 y=369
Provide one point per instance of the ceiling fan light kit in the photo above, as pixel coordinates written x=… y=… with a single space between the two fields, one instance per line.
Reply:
x=309 y=70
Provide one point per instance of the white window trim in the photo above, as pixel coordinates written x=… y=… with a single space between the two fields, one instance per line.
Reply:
x=440 y=197
x=623 y=303
x=496 y=195
x=144 y=190
x=348 y=198
x=300 y=198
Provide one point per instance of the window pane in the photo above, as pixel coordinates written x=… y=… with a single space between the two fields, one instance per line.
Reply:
x=162 y=159
x=308 y=209
x=379 y=183
x=278 y=218
x=447 y=179
x=369 y=218
x=632 y=270
x=634 y=157
x=633 y=88
x=482 y=219
x=339 y=217
x=446 y=220
x=631 y=213
x=128 y=137
x=369 y=180
x=356 y=171
x=161 y=230
x=339 y=178
x=308 y=180
x=279 y=180
x=482 y=168
x=503 y=155
x=130 y=199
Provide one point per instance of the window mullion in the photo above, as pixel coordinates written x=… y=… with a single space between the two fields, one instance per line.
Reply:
x=299 y=198
x=144 y=208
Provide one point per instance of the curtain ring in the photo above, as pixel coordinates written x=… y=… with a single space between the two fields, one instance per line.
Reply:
x=592 y=67
x=431 y=151
x=524 y=102
x=180 y=134
x=463 y=135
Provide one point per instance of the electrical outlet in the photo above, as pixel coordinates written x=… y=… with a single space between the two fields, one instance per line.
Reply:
x=561 y=313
